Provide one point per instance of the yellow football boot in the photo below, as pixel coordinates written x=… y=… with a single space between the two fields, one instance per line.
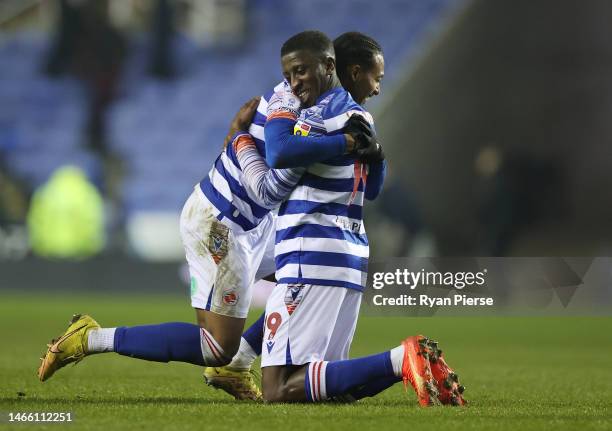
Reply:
x=71 y=346
x=238 y=383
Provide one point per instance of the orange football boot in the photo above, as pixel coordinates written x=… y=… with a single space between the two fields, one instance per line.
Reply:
x=416 y=370
x=447 y=381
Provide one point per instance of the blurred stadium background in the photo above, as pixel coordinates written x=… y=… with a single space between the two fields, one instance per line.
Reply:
x=494 y=116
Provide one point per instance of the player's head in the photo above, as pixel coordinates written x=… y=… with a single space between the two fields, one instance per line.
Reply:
x=309 y=65
x=360 y=65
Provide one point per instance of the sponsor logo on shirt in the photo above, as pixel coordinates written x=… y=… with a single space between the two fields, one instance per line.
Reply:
x=348 y=224
x=301 y=129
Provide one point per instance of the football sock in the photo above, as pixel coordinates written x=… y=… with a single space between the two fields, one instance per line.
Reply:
x=100 y=340
x=244 y=358
x=250 y=345
x=315 y=383
x=213 y=354
x=374 y=387
x=162 y=343
x=329 y=379
x=397 y=359
x=254 y=334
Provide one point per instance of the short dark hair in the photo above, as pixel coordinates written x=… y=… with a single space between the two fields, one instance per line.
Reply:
x=355 y=48
x=311 y=40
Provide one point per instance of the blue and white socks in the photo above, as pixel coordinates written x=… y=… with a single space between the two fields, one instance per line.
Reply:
x=316 y=382
x=213 y=354
x=185 y=342
x=182 y=342
x=360 y=377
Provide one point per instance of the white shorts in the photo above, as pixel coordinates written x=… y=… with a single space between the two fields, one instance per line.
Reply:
x=306 y=323
x=223 y=262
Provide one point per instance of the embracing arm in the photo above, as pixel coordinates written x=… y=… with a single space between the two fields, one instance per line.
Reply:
x=269 y=186
x=376 y=178
x=241 y=120
x=286 y=150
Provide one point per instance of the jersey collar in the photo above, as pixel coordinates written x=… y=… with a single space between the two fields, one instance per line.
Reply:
x=328 y=92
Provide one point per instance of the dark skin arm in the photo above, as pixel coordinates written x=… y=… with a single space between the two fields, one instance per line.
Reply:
x=242 y=119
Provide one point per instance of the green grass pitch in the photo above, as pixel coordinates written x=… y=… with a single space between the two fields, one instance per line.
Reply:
x=520 y=374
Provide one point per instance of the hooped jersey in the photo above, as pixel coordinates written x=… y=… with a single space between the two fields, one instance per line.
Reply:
x=233 y=203
x=320 y=235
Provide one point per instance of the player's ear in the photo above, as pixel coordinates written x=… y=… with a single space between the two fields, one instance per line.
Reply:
x=354 y=71
x=330 y=65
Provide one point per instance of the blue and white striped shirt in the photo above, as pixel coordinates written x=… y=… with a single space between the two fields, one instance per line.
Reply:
x=320 y=235
x=223 y=187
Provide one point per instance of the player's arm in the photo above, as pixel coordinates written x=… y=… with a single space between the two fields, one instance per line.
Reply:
x=241 y=120
x=286 y=150
x=269 y=186
x=377 y=171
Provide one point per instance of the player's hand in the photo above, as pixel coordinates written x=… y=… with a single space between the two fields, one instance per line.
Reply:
x=357 y=125
x=242 y=120
x=371 y=154
x=365 y=146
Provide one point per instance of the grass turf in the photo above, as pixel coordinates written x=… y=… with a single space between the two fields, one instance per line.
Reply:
x=521 y=373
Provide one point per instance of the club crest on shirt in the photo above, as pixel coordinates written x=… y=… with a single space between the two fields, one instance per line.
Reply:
x=293 y=297
x=217 y=241
x=301 y=129
x=230 y=297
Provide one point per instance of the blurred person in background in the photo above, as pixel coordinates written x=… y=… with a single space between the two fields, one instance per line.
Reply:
x=516 y=191
x=66 y=217
x=14 y=198
x=87 y=46
x=404 y=216
x=162 y=64
x=14 y=202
